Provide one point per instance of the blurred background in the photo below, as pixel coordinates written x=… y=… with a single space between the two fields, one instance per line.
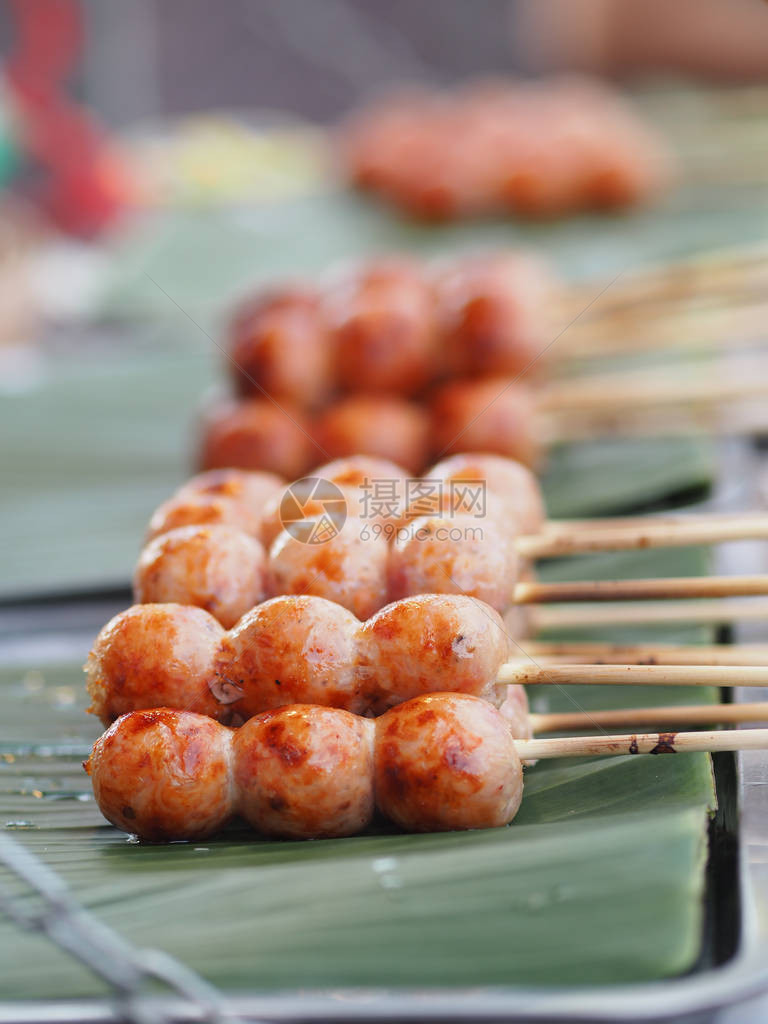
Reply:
x=317 y=60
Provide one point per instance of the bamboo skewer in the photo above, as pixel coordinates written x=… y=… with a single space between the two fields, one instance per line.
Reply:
x=737 y=270
x=683 y=328
x=716 y=298
x=626 y=590
x=647 y=402
x=555 y=541
x=674 y=716
x=650 y=613
x=628 y=391
x=717 y=274
x=618 y=304
x=646 y=654
x=726 y=262
x=731 y=421
x=717 y=520
x=643 y=743
x=531 y=674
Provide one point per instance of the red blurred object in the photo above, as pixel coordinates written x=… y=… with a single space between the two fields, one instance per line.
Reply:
x=86 y=184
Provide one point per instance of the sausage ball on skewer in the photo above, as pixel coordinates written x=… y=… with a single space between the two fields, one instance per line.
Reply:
x=438 y=642
x=440 y=183
x=279 y=344
x=381 y=319
x=257 y=434
x=407 y=151
x=361 y=470
x=437 y=179
x=304 y=772
x=495 y=416
x=515 y=710
x=252 y=488
x=446 y=761
x=373 y=489
x=164 y=775
x=428 y=643
x=283 y=507
x=374 y=142
x=292 y=650
x=155 y=655
x=385 y=428
x=507 y=481
x=213 y=567
x=491 y=313
x=228 y=497
x=350 y=567
x=542 y=178
x=621 y=162
x=202 y=510
x=454 y=555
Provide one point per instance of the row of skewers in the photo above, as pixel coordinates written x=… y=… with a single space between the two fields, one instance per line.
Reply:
x=299 y=649
x=393 y=326
x=438 y=668
x=407 y=604
x=440 y=762
x=536 y=149
x=409 y=362
x=471 y=525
